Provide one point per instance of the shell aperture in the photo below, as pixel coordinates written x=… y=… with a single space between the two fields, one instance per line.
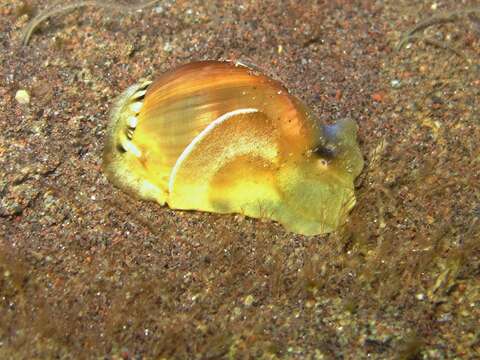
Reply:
x=215 y=136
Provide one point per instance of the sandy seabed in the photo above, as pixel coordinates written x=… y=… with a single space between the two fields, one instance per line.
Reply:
x=88 y=272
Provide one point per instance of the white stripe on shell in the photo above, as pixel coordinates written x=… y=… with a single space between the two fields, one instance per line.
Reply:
x=128 y=146
x=187 y=151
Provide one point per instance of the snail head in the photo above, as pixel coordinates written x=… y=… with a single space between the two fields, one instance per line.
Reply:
x=338 y=150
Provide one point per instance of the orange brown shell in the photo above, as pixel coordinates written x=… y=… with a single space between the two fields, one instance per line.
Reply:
x=220 y=137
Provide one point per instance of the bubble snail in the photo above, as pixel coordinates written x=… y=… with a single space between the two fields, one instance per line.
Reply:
x=218 y=136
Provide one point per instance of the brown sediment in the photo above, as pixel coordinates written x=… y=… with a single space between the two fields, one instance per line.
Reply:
x=61 y=8
x=87 y=271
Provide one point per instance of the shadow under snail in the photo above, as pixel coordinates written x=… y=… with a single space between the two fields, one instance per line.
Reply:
x=218 y=136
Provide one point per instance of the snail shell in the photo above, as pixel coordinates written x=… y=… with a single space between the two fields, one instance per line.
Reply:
x=220 y=137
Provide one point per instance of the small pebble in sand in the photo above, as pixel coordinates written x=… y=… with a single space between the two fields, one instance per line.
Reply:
x=249 y=300
x=22 y=97
x=168 y=47
x=395 y=83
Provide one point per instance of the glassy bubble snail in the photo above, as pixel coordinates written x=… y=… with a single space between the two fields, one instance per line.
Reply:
x=218 y=136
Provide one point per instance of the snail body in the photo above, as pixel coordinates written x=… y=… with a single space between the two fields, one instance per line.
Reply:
x=220 y=137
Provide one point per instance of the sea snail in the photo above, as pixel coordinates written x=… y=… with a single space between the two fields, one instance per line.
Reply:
x=218 y=136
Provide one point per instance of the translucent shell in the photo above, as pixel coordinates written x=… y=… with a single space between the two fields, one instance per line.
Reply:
x=219 y=137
